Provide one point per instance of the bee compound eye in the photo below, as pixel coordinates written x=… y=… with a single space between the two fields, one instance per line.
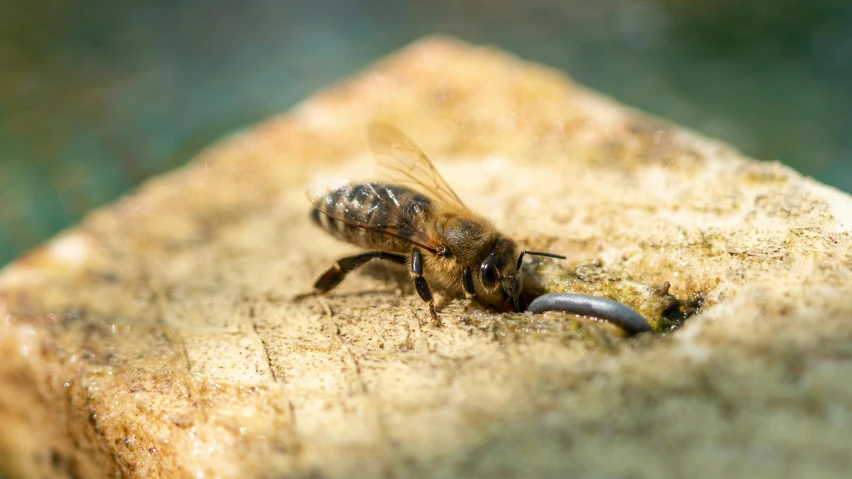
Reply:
x=488 y=270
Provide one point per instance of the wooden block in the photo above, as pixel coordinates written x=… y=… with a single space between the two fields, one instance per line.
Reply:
x=158 y=339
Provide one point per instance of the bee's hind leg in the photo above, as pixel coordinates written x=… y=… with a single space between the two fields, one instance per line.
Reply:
x=420 y=283
x=331 y=278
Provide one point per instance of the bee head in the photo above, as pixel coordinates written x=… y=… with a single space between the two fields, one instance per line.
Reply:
x=499 y=275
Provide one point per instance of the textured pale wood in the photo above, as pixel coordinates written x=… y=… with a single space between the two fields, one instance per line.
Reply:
x=156 y=338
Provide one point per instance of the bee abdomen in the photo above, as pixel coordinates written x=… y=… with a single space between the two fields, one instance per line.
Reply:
x=371 y=215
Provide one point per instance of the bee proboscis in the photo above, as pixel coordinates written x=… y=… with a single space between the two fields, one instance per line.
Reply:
x=411 y=216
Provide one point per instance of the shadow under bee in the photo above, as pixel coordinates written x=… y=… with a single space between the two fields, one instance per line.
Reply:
x=389 y=274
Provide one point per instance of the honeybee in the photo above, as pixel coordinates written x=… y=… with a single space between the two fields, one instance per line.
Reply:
x=411 y=216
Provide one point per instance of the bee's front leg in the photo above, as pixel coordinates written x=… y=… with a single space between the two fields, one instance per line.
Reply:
x=420 y=282
x=467 y=283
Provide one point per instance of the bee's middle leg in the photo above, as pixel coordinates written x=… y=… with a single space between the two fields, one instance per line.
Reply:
x=331 y=278
x=420 y=283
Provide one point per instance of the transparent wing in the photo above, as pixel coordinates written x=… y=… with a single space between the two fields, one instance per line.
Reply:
x=388 y=209
x=400 y=162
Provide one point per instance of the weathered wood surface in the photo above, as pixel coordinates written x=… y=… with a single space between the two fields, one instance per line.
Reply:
x=156 y=338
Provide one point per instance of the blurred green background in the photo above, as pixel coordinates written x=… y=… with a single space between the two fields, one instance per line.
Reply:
x=96 y=96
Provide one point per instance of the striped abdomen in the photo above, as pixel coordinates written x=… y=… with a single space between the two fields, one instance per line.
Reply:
x=373 y=215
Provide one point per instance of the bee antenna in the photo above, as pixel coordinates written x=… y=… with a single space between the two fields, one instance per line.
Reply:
x=537 y=253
